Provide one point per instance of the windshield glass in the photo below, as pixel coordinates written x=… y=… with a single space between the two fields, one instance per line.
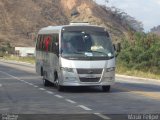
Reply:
x=86 y=44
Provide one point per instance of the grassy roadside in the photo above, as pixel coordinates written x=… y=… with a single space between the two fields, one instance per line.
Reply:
x=120 y=69
x=20 y=59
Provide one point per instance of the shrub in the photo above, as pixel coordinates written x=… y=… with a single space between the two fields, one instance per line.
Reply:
x=141 y=53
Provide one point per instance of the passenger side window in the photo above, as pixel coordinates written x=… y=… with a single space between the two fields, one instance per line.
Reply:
x=47 y=43
x=55 y=44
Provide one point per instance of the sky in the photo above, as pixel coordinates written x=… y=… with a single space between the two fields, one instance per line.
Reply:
x=146 y=11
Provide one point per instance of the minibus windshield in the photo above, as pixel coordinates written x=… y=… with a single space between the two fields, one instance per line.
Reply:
x=86 y=44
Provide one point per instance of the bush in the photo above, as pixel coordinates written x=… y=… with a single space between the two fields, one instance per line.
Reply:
x=1 y=54
x=141 y=53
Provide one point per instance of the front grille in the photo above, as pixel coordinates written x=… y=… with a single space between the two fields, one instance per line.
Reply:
x=89 y=71
x=89 y=79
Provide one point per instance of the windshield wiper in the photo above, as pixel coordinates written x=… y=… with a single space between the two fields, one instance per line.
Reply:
x=98 y=52
x=78 y=52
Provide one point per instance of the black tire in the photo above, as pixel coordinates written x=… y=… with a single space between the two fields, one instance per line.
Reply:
x=42 y=72
x=46 y=82
x=60 y=88
x=106 y=88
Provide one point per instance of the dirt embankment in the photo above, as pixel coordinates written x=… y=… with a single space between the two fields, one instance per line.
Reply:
x=21 y=19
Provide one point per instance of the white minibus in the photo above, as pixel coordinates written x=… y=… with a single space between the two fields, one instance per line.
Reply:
x=75 y=55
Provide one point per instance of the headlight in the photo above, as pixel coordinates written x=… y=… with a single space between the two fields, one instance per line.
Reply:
x=110 y=69
x=67 y=69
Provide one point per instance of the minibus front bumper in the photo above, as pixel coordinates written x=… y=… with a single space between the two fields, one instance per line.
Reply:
x=72 y=79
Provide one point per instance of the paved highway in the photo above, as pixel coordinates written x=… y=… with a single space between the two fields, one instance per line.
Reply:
x=22 y=92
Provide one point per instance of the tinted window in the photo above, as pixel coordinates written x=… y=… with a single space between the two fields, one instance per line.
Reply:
x=87 y=43
x=55 y=43
x=48 y=43
x=38 y=42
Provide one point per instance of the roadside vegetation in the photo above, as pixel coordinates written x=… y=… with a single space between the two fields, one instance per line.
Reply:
x=20 y=59
x=7 y=52
x=140 y=56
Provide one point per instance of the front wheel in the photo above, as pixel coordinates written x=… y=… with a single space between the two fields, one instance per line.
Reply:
x=60 y=88
x=45 y=82
x=106 y=88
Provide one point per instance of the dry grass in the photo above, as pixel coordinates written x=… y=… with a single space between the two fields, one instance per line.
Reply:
x=20 y=59
x=131 y=72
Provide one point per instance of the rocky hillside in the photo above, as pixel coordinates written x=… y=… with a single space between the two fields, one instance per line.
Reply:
x=21 y=19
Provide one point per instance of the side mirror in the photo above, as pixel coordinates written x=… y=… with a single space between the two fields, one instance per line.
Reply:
x=114 y=47
x=118 y=47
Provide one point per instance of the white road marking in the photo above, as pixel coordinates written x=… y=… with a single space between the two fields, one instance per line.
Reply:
x=49 y=92
x=16 y=78
x=22 y=80
x=42 y=89
x=103 y=116
x=10 y=75
x=58 y=96
x=70 y=101
x=26 y=82
x=31 y=84
x=35 y=86
x=84 y=107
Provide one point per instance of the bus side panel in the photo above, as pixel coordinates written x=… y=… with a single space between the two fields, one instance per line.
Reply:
x=53 y=67
x=39 y=64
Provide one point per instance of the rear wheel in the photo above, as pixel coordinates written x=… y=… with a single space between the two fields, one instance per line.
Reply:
x=46 y=82
x=106 y=88
x=42 y=71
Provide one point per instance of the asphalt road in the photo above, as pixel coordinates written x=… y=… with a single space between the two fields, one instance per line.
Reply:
x=22 y=93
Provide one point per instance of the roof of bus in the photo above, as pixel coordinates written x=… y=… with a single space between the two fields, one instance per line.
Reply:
x=56 y=29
